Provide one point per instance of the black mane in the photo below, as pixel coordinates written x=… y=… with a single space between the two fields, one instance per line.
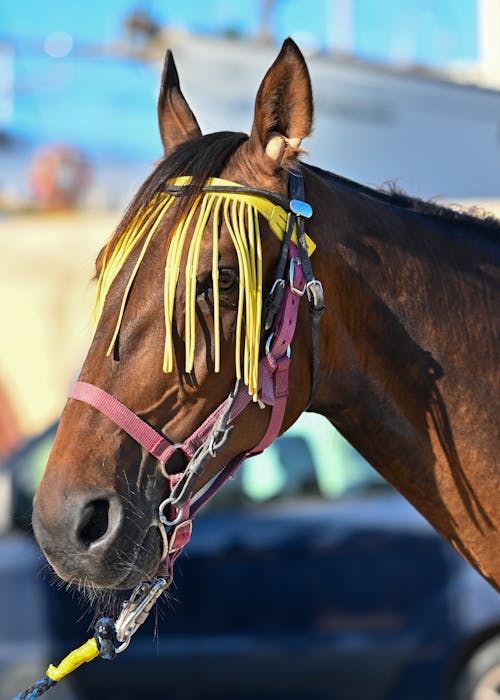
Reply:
x=201 y=158
x=206 y=156
x=486 y=223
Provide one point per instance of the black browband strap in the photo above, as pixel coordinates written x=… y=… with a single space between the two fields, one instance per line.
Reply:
x=182 y=190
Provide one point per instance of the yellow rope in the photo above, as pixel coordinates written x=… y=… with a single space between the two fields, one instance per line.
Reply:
x=172 y=270
x=75 y=658
x=190 y=273
x=113 y=263
x=215 y=283
x=240 y=213
x=162 y=210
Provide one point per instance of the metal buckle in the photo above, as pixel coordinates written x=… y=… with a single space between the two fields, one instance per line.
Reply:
x=277 y=283
x=272 y=303
x=172 y=535
x=268 y=346
x=314 y=290
x=295 y=290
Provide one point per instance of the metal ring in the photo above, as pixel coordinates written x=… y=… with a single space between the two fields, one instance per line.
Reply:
x=268 y=343
x=176 y=446
x=163 y=518
x=212 y=448
x=268 y=346
x=295 y=290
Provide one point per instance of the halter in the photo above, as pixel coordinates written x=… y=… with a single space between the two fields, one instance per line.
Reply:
x=293 y=279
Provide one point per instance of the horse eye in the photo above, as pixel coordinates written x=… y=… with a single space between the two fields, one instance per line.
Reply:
x=228 y=280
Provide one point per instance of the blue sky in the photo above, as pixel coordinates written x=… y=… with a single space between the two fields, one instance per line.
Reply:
x=432 y=32
x=80 y=98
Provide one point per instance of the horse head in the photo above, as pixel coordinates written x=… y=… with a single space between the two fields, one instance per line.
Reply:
x=178 y=321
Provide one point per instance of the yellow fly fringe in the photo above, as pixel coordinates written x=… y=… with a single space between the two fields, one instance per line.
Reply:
x=240 y=213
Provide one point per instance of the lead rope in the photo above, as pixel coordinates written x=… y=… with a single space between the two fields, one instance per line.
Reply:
x=110 y=637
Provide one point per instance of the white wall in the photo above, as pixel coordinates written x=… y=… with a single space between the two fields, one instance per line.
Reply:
x=435 y=138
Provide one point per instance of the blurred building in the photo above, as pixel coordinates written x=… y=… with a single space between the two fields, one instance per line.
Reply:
x=402 y=93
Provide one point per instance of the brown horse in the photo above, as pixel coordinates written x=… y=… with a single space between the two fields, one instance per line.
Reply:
x=408 y=359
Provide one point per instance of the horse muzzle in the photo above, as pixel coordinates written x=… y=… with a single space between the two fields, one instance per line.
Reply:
x=93 y=537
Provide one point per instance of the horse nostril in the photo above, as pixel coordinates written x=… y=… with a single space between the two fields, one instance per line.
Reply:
x=94 y=522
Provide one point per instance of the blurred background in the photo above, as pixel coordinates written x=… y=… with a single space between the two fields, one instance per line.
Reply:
x=405 y=92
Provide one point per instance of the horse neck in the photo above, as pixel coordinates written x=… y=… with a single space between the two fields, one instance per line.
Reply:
x=408 y=297
x=399 y=348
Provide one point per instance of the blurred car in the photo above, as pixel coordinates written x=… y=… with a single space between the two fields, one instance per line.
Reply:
x=308 y=577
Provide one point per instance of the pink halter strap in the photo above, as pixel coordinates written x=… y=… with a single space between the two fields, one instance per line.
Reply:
x=152 y=441
x=273 y=391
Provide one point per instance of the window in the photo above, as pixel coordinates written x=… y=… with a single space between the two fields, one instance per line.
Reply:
x=310 y=459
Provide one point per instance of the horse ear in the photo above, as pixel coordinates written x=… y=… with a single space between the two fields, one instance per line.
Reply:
x=283 y=108
x=176 y=120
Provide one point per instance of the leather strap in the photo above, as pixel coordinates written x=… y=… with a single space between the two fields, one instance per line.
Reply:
x=273 y=379
x=155 y=443
x=314 y=288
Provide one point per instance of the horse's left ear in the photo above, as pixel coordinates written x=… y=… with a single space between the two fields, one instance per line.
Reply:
x=283 y=108
x=175 y=118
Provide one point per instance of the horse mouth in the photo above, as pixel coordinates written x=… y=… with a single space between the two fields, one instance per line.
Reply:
x=145 y=562
x=98 y=539
x=120 y=568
